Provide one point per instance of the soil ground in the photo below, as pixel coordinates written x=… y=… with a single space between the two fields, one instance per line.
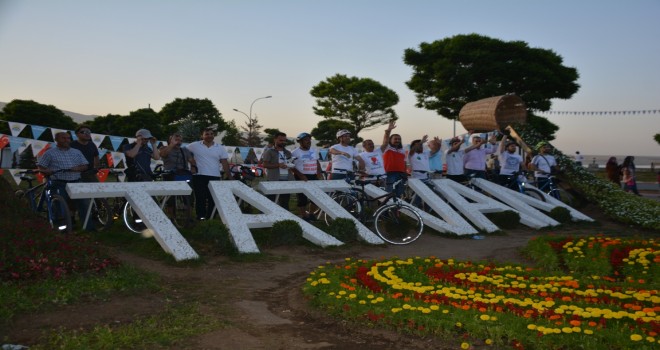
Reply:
x=260 y=303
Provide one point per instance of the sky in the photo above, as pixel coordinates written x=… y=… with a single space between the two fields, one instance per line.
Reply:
x=101 y=57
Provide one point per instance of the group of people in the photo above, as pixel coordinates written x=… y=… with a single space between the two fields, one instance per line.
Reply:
x=624 y=172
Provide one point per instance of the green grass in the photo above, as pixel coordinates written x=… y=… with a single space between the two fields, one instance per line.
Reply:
x=160 y=330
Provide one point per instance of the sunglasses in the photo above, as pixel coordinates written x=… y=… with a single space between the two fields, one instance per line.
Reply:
x=86 y=132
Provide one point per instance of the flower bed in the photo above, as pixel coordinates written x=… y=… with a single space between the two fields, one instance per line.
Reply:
x=511 y=305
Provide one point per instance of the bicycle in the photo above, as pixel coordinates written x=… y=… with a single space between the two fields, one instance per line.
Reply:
x=394 y=221
x=517 y=182
x=56 y=207
x=179 y=208
x=551 y=188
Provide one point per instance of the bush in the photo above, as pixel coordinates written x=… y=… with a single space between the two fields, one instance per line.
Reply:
x=286 y=232
x=507 y=219
x=561 y=214
x=343 y=229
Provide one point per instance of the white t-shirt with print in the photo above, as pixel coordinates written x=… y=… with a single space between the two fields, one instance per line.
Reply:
x=509 y=163
x=544 y=163
x=454 y=161
x=341 y=161
x=306 y=161
x=374 y=162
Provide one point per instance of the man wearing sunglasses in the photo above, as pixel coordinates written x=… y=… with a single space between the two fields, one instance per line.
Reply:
x=84 y=144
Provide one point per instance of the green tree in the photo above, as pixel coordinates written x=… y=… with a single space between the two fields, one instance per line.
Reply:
x=196 y=113
x=271 y=136
x=362 y=102
x=30 y=112
x=451 y=72
x=325 y=132
x=144 y=118
x=250 y=135
x=657 y=138
x=108 y=125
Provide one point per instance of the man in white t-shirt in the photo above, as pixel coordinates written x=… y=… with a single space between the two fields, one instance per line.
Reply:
x=543 y=164
x=207 y=158
x=373 y=160
x=419 y=160
x=454 y=160
x=510 y=161
x=307 y=167
x=342 y=156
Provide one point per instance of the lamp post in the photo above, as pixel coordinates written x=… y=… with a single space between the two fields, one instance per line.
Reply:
x=249 y=116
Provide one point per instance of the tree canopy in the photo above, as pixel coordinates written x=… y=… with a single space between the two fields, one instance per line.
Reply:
x=193 y=113
x=30 y=112
x=325 y=132
x=451 y=72
x=362 y=102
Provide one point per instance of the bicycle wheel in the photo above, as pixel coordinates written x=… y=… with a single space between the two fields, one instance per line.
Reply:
x=60 y=216
x=101 y=213
x=132 y=220
x=182 y=211
x=562 y=195
x=398 y=223
x=534 y=193
x=348 y=202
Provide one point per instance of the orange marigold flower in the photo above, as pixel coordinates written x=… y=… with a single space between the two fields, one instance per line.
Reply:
x=592 y=324
x=575 y=323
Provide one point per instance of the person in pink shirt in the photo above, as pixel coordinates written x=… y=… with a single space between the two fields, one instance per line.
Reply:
x=474 y=160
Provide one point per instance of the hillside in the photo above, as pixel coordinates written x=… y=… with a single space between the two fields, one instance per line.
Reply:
x=77 y=117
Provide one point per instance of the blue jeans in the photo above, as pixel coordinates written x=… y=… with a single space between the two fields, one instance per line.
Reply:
x=393 y=177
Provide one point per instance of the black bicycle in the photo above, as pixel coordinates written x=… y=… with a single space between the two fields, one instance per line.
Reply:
x=518 y=182
x=551 y=188
x=393 y=220
x=44 y=201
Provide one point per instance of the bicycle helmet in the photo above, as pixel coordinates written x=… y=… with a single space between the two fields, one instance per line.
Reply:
x=342 y=132
x=302 y=135
x=541 y=144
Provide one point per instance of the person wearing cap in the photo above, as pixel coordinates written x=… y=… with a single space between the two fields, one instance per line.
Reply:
x=373 y=160
x=73 y=162
x=394 y=160
x=139 y=155
x=85 y=145
x=543 y=164
x=306 y=168
x=510 y=161
x=454 y=159
x=208 y=163
x=474 y=160
x=342 y=156
x=277 y=162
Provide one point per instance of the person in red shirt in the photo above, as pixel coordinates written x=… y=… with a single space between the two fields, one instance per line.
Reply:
x=394 y=160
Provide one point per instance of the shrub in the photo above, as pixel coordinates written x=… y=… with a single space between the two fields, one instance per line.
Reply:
x=561 y=214
x=507 y=219
x=343 y=229
x=212 y=236
x=286 y=232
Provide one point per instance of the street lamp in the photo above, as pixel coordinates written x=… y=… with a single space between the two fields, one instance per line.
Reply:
x=249 y=116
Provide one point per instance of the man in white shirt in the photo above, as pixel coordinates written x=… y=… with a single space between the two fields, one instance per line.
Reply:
x=510 y=161
x=343 y=155
x=207 y=158
x=373 y=159
x=543 y=164
x=419 y=160
x=307 y=168
x=454 y=160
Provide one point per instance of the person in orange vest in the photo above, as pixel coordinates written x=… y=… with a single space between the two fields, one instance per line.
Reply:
x=394 y=160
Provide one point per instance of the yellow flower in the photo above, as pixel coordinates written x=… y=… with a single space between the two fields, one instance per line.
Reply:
x=588 y=331
x=488 y=341
x=531 y=327
x=465 y=346
x=484 y=317
x=567 y=330
x=635 y=337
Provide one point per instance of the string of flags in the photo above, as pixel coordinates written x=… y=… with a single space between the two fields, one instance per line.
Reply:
x=631 y=112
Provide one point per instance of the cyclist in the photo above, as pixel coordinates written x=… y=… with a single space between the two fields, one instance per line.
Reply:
x=208 y=157
x=511 y=162
x=394 y=157
x=373 y=159
x=454 y=158
x=85 y=145
x=474 y=160
x=307 y=167
x=63 y=157
x=543 y=164
x=175 y=162
x=435 y=158
x=139 y=155
x=343 y=155
x=276 y=161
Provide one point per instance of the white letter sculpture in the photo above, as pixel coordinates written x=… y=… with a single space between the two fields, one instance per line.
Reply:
x=139 y=195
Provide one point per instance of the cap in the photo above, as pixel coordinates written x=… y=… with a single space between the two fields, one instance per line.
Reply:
x=342 y=132
x=541 y=144
x=302 y=135
x=144 y=133
x=455 y=139
x=511 y=142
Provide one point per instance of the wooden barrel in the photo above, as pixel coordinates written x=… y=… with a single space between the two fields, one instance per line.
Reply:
x=493 y=113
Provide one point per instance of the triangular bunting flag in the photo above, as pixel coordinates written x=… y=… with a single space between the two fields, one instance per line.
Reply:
x=15 y=143
x=40 y=177
x=230 y=150
x=258 y=152
x=55 y=131
x=117 y=157
x=122 y=177
x=102 y=174
x=16 y=128
x=15 y=175
x=244 y=151
x=108 y=157
x=40 y=147
x=97 y=139
x=116 y=142
x=37 y=130
x=324 y=153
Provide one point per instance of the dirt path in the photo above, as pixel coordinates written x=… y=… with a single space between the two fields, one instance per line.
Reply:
x=261 y=302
